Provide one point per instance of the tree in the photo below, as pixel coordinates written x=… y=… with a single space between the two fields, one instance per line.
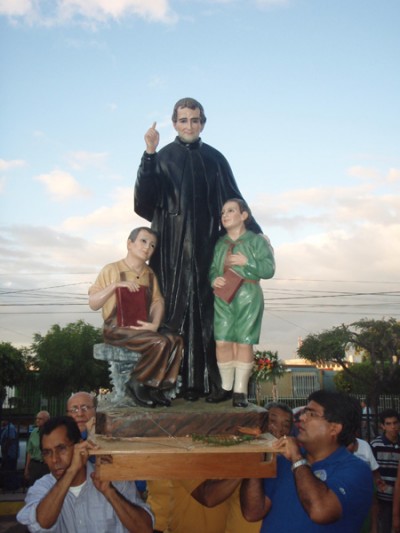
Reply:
x=64 y=358
x=12 y=364
x=378 y=343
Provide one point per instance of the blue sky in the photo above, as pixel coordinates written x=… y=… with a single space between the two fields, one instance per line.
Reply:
x=301 y=96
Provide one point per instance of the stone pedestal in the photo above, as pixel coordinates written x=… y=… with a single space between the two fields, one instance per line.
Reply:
x=121 y=362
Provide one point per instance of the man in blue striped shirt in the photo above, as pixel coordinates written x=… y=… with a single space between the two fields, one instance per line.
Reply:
x=386 y=449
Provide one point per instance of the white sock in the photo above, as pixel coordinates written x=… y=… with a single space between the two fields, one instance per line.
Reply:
x=227 y=372
x=243 y=372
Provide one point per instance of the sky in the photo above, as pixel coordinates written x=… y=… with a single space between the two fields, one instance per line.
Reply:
x=301 y=96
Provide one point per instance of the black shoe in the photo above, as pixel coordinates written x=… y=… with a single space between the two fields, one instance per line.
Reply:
x=139 y=393
x=219 y=396
x=191 y=395
x=159 y=397
x=240 y=399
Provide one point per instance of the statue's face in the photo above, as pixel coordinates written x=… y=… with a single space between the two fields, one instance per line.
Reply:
x=143 y=247
x=231 y=217
x=188 y=124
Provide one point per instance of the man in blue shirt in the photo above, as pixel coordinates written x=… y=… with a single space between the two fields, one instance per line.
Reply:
x=321 y=486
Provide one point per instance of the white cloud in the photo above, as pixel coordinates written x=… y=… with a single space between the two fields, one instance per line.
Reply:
x=363 y=254
x=358 y=171
x=335 y=240
x=62 y=185
x=107 y=221
x=81 y=159
x=272 y=3
x=13 y=163
x=61 y=11
x=393 y=175
x=309 y=211
x=18 y=8
x=99 y=9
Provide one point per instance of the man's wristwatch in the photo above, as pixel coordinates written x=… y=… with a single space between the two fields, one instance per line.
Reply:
x=300 y=462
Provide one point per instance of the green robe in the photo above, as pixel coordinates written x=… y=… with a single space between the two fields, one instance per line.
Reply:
x=240 y=321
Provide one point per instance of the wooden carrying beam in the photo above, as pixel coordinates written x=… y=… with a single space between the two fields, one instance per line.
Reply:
x=181 y=458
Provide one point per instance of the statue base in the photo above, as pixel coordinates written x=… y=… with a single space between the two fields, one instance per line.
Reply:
x=181 y=419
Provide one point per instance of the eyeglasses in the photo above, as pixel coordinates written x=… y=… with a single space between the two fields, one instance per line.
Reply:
x=310 y=413
x=76 y=408
x=61 y=449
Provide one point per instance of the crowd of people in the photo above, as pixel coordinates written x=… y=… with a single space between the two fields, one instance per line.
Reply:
x=328 y=479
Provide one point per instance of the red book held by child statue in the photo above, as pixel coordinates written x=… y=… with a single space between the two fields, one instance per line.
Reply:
x=131 y=306
x=232 y=285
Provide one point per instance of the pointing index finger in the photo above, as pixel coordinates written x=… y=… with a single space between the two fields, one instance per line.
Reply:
x=154 y=125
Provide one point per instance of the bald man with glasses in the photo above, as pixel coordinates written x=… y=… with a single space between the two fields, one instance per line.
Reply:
x=82 y=407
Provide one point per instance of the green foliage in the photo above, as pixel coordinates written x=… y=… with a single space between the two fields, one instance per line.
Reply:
x=12 y=364
x=64 y=358
x=364 y=374
x=378 y=344
x=327 y=347
x=267 y=366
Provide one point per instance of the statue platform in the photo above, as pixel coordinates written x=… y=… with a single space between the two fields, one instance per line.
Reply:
x=156 y=443
x=181 y=419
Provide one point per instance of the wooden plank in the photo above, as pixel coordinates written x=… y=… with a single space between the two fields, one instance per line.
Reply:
x=178 y=466
x=181 y=458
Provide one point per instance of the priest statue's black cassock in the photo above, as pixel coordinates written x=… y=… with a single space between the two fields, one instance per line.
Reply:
x=181 y=190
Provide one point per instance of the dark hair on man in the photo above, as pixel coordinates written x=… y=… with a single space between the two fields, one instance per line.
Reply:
x=279 y=405
x=73 y=433
x=135 y=232
x=190 y=103
x=388 y=413
x=342 y=409
x=282 y=406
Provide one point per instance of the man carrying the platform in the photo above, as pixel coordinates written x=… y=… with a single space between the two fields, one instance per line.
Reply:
x=82 y=407
x=321 y=486
x=72 y=498
x=213 y=505
x=161 y=351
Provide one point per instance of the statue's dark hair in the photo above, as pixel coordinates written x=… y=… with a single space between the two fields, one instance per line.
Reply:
x=135 y=232
x=191 y=103
x=243 y=208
